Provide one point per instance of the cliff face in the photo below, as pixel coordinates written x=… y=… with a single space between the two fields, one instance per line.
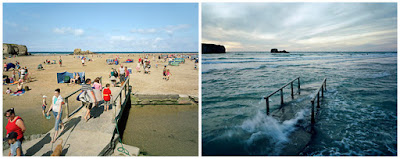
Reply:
x=14 y=49
x=212 y=48
x=80 y=52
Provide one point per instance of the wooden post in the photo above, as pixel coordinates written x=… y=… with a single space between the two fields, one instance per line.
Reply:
x=267 y=101
x=66 y=108
x=318 y=100
x=312 y=113
x=298 y=82
x=291 y=86
x=281 y=96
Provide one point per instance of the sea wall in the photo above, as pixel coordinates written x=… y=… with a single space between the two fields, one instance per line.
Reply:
x=15 y=49
x=212 y=48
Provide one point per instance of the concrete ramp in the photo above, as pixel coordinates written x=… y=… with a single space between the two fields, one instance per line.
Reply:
x=301 y=136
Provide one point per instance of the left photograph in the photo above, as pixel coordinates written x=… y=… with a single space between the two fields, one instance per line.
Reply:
x=100 y=79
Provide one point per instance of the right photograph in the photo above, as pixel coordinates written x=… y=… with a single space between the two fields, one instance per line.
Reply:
x=299 y=79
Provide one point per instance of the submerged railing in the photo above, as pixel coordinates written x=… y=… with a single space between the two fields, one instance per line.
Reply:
x=281 y=90
x=70 y=95
x=320 y=89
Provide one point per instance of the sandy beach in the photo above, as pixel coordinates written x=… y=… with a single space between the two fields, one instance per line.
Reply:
x=184 y=81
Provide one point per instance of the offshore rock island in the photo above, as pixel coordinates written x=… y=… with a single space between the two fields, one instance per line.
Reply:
x=212 y=48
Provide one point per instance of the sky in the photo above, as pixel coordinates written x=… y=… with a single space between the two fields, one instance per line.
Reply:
x=301 y=26
x=151 y=27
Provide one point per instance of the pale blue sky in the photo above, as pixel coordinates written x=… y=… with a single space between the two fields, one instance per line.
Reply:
x=102 y=26
x=301 y=26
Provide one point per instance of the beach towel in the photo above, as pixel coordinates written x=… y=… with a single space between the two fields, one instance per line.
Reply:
x=98 y=95
x=14 y=83
x=18 y=93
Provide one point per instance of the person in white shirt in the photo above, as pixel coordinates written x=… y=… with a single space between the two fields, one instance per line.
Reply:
x=56 y=106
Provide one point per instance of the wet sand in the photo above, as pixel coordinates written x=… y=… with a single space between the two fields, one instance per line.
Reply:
x=184 y=80
x=163 y=130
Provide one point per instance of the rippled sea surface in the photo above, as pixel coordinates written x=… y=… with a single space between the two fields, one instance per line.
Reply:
x=357 y=115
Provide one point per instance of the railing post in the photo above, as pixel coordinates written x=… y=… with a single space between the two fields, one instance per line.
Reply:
x=267 y=101
x=281 y=96
x=325 y=84
x=291 y=86
x=318 y=100
x=66 y=108
x=322 y=91
x=312 y=113
x=298 y=82
x=115 y=111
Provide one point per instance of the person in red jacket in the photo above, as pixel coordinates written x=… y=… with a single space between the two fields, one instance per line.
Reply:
x=107 y=96
x=15 y=124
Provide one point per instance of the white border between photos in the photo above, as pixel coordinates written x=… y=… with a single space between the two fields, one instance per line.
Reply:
x=200 y=55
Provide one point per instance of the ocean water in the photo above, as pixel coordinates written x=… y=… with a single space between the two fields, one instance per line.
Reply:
x=358 y=114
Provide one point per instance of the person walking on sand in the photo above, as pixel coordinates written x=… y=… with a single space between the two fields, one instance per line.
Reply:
x=44 y=105
x=107 y=97
x=60 y=62
x=56 y=107
x=168 y=74
x=15 y=124
x=165 y=72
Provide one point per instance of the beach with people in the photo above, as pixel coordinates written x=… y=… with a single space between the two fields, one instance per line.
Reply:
x=43 y=81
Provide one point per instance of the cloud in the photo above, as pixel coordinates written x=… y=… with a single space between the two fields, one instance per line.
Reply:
x=68 y=30
x=169 y=29
x=300 y=26
x=13 y=24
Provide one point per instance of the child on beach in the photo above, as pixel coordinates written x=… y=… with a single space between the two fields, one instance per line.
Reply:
x=164 y=72
x=168 y=74
x=107 y=97
x=8 y=91
x=15 y=145
x=44 y=105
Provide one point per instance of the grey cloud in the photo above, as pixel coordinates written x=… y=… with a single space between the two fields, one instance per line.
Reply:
x=261 y=26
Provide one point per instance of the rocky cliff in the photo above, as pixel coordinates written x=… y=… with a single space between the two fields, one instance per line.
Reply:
x=212 y=48
x=80 y=52
x=14 y=49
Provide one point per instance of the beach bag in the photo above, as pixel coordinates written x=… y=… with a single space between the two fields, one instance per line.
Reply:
x=66 y=79
x=84 y=97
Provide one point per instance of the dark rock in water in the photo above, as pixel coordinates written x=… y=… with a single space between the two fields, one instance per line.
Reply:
x=274 y=50
x=212 y=48
x=14 y=49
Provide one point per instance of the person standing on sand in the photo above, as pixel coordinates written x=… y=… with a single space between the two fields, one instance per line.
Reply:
x=60 y=62
x=168 y=74
x=44 y=105
x=56 y=107
x=15 y=124
x=83 y=61
x=5 y=66
x=165 y=72
x=121 y=74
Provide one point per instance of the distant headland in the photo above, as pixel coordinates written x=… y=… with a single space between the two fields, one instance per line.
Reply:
x=212 y=48
x=15 y=49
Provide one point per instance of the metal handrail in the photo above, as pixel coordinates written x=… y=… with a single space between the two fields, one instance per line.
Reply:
x=320 y=89
x=281 y=90
x=71 y=94
x=124 y=88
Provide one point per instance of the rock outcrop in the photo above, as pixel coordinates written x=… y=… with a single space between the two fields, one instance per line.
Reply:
x=80 y=52
x=274 y=50
x=14 y=49
x=212 y=48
